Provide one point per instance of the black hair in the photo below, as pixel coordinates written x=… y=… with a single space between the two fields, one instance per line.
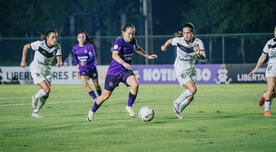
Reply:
x=45 y=35
x=89 y=39
x=189 y=25
x=180 y=33
x=128 y=25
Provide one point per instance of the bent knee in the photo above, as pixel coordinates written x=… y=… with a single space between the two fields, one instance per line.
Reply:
x=193 y=90
x=135 y=85
x=47 y=90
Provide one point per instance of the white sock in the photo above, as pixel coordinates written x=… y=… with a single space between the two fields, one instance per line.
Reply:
x=183 y=96
x=40 y=104
x=40 y=94
x=184 y=104
x=267 y=105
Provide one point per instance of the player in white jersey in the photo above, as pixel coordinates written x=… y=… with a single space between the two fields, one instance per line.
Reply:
x=270 y=51
x=189 y=49
x=45 y=52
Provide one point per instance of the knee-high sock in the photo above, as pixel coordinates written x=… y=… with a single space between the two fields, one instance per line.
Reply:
x=267 y=105
x=183 y=96
x=40 y=104
x=131 y=99
x=95 y=107
x=92 y=95
x=184 y=104
x=40 y=94
x=99 y=92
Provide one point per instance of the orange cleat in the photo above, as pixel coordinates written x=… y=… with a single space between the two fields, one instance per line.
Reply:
x=267 y=114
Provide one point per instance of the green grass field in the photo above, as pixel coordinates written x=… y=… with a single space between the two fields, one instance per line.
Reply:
x=221 y=118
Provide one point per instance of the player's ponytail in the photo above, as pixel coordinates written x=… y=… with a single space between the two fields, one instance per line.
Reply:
x=178 y=34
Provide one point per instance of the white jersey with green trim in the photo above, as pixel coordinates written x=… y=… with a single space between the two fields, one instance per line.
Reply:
x=270 y=50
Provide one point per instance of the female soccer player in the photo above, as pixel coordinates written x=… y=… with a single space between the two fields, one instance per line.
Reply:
x=85 y=56
x=120 y=69
x=269 y=50
x=45 y=52
x=189 y=49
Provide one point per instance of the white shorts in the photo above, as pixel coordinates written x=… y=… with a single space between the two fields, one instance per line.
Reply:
x=184 y=76
x=270 y=70
x=41 y=73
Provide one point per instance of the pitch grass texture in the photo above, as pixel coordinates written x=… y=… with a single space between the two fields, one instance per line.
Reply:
x=221 y=118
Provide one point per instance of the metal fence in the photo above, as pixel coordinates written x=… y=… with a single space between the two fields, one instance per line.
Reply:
x=220 y=48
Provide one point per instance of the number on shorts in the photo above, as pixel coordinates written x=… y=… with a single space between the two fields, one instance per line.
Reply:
x=269 y=68
x=183 y=76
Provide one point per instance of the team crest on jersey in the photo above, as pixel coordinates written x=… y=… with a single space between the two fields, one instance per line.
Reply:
x=115 y=47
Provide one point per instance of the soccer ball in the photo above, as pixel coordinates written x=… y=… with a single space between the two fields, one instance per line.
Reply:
x=146 y=113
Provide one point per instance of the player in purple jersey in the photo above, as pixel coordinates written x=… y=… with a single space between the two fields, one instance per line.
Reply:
x=120 y=69
x=84 y=56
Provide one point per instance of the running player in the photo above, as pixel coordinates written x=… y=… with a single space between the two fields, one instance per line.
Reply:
x=45 y=52
x=84 y=56
x=120 y=69
x=189 y=49
x=269 y=50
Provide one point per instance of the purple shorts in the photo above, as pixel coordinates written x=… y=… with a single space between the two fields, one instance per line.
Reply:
x=112 y=81
x=91 y=73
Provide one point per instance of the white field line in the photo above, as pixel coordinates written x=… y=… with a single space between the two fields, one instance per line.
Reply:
x=72 y=101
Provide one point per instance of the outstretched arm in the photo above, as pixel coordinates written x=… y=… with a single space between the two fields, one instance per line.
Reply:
x=59 y=61
x=24 y=55
x=260 y=62
x=144 y=54
x=166 y=45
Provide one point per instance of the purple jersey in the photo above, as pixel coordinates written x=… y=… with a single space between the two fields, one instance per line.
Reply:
x=84 y=54
x=126 y=51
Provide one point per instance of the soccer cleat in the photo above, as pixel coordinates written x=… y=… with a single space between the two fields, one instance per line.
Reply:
x=36 y=115
x=178 y=116
x=34 y=102
x=90 y=115
x=130 y=111
x=176 y=108
x=262 y=100
x=267 y=114
x=176 y=112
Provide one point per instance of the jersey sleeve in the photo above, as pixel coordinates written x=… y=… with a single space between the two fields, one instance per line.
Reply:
x=75 y=58
x=117 y=45
x=201 y=46
x=92 y=55
x=265 y=49
x=59 y=51
x=136 y=44
x=174 y=41
x=35 y=45
x=93 y=50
